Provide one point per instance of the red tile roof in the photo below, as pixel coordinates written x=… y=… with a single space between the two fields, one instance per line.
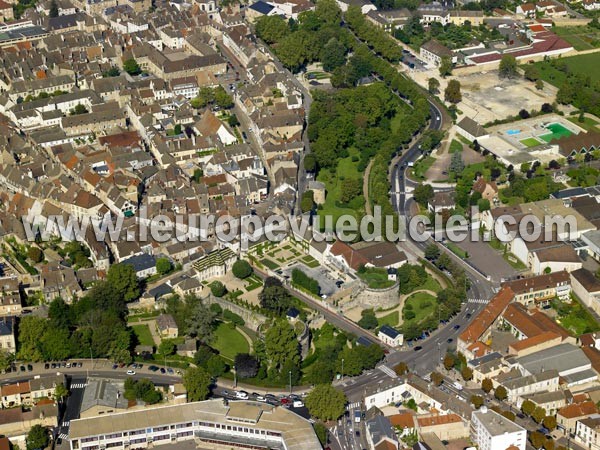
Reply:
x=578 y=410
x=488 y=315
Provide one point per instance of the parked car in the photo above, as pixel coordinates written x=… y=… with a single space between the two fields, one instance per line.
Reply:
x=169 y=370
x=153 y=368
x=417 y=348
x=115 y=366
x=162 y=370
x=260 y=398
x=46 y=366
x=131 y=372
x=22 y=368
x=29 y=367
x=242 y=395
x=298 y=404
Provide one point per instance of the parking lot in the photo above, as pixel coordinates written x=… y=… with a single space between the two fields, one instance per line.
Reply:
x=412 y=61
x=487 y=260
x=322 y=275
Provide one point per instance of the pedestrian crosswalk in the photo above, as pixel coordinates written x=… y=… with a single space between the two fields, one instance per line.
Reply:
x=355 y=405
x=385 y=369
x=78 y=385
x=63 y=436
x=66 y=423
x=481 y=301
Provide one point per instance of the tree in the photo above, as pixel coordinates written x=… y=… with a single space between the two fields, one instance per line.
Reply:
x=423 y=193
x=35 y=254
x=132 y=67
x=275 y=298
x=241 y=269
x=432 y=252
x=531 y=73
x=448 y=361
x=547 y=108
x=310 y=162
x=271 y=29
x=434 y=85
x=197 y=382
x=60 y=392
x=78 y=109
x=321 y=432
x=538 y=414
x=200 y=321
x=6 y=359
x=437 y=378
x=333 y=55
x=524 y=114
x=500 y=393
x=401 y=368
x=487 y=385
x=307 y=202
x=37 y=438
x=123 y=279
x=477 y=401
x=246 y=365
x=452 y=92
x=281 y=345
x=508 y=66
x=466 y=373
x=549 y=422
x=457 y=164
x=112 y=72
x=445 y=66
x=163 y=266
x=31 y=331
x=368 y=320
x=222 y=98
x=350 y=189
x=53 y=9
x=166 y=347
x=537 y=439
x=539 y=85
x=216 y=366
x=326 y=402
x=217 y=289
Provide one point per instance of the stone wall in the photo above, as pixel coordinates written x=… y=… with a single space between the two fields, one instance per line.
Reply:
x=253 y=319
x=379 y=298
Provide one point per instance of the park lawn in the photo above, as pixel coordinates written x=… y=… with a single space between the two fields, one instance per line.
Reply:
x=311 y=262
x=580 y=37
x=346 y=168
x=252 y=282
x=390 y=319
x=530 y=142
x=588 y=65
x=456 y=146
x=431 y=285
x=418 y=302
x=229 y=341
x=269 y=263
x=375 y=278
x=513 y=261
x=587 y=124
x=422 y=166
x=143 y=334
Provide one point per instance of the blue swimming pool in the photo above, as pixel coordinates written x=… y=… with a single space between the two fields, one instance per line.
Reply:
x=512 y=132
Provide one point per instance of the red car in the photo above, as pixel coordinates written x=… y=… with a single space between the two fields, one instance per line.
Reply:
x=285 y=401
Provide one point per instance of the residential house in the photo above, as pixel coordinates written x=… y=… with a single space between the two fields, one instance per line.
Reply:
x=433 y=52
x=166 y=326
x=441 y=201
x=568 y=416
x=379 y=430
x=144 y=265
x=103 y=397
x=390 y=336
x=471 y=130
x=587 y=288
x=7 y=334
x=538 y=291
x=487 y=189
x=587 y=432
x=15 y=394
x=10 y=296
x=446 y=427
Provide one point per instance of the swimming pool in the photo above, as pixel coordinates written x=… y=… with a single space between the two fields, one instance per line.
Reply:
x=513 y=132
x=557 y=131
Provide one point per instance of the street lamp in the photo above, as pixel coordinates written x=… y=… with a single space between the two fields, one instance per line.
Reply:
x=342 y=369
x=234 y=377
x=290 y=373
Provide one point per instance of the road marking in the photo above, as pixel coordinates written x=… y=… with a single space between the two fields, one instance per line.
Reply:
x=481 y=301
x=65 y=423
x=63 y=436
x=78 y=385
x=385 y=369
x=354 y=405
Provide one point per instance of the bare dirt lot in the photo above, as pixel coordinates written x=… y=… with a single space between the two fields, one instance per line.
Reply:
x=486 y=97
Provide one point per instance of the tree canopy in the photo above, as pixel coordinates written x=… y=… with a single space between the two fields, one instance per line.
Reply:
x=326 y=402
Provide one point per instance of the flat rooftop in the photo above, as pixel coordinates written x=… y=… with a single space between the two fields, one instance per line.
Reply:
x=495 y=423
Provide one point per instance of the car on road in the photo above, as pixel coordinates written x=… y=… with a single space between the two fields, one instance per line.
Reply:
x=53 y=366
x=285 y=401
x=169 y=370
x=468 y=316
x=242 y=395
x=152 y=368
x=115 y=366
x=131 y=372
x=29 y=368
x=260 y=398
x=225 y=393
x=244 y=135
x=22 y=368
x=46 y=366
x=417 y=348
x=456 y=327
x=449 y=340
x=162 y=370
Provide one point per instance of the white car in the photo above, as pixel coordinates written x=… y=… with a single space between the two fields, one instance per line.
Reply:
x=260 y=398
x=131 y=372
x=242 y=395
x=298 y=404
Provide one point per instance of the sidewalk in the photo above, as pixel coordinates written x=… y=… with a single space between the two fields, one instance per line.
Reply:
x=228 y=384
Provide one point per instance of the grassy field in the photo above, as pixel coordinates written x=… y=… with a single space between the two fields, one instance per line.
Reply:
x=229 y=341
x=375 y=278
x=587 y=124
x=143 y=334
x=581 y=38
x=422 y=166
x=310 y=262
x=269 y=263
x=530 y=142
x=456 y=146
x=333 y=182
x=456 y=250
x=423 y=305
x=588 y=65
x=391 y=319
x=252 y=282
x=431 y=285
